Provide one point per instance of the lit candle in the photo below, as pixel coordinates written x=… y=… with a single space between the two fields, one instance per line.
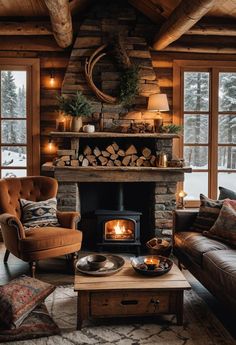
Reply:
x=151 y=263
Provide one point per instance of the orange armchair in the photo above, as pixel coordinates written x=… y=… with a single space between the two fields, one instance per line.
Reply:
x=36 y=243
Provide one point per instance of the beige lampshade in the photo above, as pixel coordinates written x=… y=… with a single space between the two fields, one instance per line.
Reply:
x=158 y=102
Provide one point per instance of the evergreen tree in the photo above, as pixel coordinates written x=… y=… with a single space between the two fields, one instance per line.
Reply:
x=9 y=96
x=196 y=98
x=21 y=102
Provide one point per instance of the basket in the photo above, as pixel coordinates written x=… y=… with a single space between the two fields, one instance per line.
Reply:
x=159 y=246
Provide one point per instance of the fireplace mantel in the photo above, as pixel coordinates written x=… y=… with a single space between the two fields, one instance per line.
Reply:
x=116 y=174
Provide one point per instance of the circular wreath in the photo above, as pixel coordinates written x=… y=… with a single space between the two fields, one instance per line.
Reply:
x=128 y=87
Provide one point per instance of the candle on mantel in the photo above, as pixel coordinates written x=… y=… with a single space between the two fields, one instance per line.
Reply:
x=152 y=263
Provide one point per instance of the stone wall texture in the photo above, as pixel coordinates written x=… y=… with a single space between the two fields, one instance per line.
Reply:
x=105 y=20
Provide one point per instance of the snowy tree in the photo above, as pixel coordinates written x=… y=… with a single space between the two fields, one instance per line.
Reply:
x=227 y=123
x=21 y=102
x=8 y=94
x=196 y=98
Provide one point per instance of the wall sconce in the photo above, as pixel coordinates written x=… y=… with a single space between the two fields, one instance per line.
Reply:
x=158 y=102
x=182 y=195
x=52 y=77
x=50 y=145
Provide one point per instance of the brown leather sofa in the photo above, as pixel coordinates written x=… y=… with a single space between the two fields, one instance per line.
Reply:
x=212 y=262
x=36 y=243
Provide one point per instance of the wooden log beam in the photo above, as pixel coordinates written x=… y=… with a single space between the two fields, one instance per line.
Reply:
x=150 y=10
x=59 y=11
x=181 y=20
x=25 y=28
x=197 y=44
x=35 y=43
x=212 y=29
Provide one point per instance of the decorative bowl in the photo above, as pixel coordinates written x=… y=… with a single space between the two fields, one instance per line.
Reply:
x=96 y=261
x=159 y=246
x=139 y=265
x=113 y=265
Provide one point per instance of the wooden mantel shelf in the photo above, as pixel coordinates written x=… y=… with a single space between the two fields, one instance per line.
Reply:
x=116 y=174
x=113 y=135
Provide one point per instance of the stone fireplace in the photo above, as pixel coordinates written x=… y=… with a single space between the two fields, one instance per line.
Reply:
x=157 y=184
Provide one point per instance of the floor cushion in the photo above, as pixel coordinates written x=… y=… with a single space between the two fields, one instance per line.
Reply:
x=36 y=325
x=19 y=297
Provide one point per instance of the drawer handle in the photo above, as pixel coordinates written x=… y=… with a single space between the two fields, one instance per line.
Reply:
x=129 y=302
x=155 y=303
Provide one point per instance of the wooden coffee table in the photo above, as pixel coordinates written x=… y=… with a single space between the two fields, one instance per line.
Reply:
x=128 y=293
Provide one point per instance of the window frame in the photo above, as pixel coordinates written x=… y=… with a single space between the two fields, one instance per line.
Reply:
x=214 y=68
x=32 y=67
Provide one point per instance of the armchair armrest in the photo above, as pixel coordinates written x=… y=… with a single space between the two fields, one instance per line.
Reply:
x=68 y=219
x=183 y=219
x=11 y=223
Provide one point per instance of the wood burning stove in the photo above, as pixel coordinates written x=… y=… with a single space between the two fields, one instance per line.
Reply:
x=118 y=228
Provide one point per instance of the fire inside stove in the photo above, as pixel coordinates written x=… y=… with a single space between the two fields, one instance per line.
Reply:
x=121 y=230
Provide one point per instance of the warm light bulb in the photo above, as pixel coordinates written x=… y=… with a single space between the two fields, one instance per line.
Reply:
x=182 y=194
x=52 y=81
x=50 y=145
x=52 y=78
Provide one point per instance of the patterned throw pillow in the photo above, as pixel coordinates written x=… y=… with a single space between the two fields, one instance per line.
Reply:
x=39 y=214
x=19 y=297
x=207 y=215
x=36 y=325
x=226 y=194
x=225 y=227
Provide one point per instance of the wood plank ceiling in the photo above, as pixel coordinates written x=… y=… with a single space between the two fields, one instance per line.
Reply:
x=182 y=25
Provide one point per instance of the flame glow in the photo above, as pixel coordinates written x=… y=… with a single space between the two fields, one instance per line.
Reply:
x=119 y=230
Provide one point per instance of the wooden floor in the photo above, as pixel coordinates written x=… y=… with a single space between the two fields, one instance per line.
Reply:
x=57 y=271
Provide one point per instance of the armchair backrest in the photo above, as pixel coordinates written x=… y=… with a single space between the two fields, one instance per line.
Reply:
x=36 y=188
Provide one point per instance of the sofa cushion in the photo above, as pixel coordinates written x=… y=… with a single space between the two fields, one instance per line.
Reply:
x=221 y=266
x=38 y=214
x=225 y=226
x=19 y=297
x=195 y=245
x=48 y=238
x=227 y=194
x=207 y=215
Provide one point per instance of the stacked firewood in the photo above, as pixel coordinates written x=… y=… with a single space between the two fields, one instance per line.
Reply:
x=113 y=155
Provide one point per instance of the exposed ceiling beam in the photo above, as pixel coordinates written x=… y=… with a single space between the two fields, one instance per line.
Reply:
x=25 y=28
x=185 y=15
x=212 y=29
x=203 y=44
x=59 y=11
x=78 y=6
x=148 y=9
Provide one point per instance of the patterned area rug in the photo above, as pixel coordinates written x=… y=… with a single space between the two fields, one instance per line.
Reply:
x=200 y=326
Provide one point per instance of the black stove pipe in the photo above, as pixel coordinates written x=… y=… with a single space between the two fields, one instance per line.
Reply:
x=120 y=196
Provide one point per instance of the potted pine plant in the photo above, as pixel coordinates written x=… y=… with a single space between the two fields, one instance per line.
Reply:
x=75 y=106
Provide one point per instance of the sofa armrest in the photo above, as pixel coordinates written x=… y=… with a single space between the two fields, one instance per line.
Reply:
x=68 y=219
x=183 y=219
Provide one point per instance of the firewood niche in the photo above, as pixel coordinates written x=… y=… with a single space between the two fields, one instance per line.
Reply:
x=111 y=151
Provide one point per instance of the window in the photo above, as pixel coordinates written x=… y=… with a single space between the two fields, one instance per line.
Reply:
x=205 y=104
x=19 y=117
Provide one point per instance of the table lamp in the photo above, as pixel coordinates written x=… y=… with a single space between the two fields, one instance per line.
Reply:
x=158 y=102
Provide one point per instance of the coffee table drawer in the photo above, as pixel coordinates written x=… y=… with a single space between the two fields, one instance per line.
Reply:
x=120 y=303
